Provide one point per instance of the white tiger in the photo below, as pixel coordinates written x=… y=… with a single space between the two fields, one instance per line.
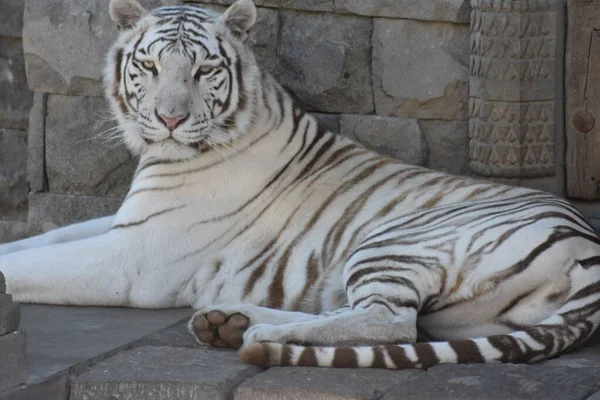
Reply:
x=297 y=243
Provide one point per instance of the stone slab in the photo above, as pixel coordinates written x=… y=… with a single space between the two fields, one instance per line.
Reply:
x=66 y=42
x=15 y=98
x=49 y=211
x=446 y=10
x=13 y=368
x=176 y=335
x=322 y=384
x=326 y=60
x=55 y=388
x=11 y=18
x=79 y=157
x=36 y=148
x=448 y=145
x=331 y=121
x=163 y=373
x=400 y=138
x=12 y=230
x=61 y=338
x=13 y=174
x=308 y=5
x=420 y=69
x=10 y=314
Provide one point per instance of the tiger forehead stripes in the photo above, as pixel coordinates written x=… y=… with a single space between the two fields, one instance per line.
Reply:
x=297 y=245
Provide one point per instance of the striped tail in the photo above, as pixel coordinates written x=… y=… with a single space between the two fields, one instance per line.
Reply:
x=554 y=336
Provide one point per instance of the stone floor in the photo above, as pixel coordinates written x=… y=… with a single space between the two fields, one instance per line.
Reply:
x=82 y=353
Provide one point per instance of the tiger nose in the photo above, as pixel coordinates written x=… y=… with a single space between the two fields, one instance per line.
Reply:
x=172 y=122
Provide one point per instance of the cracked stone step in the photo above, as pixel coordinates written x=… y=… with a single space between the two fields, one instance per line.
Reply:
x=163 y=373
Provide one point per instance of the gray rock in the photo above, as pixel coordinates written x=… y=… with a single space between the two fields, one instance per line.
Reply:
x=446 y=10
x=36 y=163
x=498 y=381
x=78 y=157
x=49 y=211
x=331 y=121
x=400 y=138
x=11 y=18
x=56 y=388
x=263 y=39
x=10 y=314
x=13 y=368
x=13 y=174
x=321 y=384
x=163 y=373
x=325 y=60
x=2 y=283
x=66 y=42
x=11 y=231
x=15 y=98
x=309 y=5
x=421 y=70
x=176 y=335
x=448 y=143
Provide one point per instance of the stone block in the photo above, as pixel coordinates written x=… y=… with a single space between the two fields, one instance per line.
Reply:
x=12 y=230
x=15 y=98
x=321 y=384
x=498 y=382
x=50 y=211
x=326 y=60
x=448 y=143
x=263 y=39
x=308 y=5
x=78 y=160
x=10 y=314
x=162 y=373
x=66 y=42
x=11 y=18
x=36 y=148
x=400 y=138
x=421 y=69
x=433 y=10
x=13 y=368
x=55 y=388
x=2 y=283
x=13 y=174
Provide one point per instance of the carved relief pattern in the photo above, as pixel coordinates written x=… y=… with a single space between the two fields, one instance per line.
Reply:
x=512 y=126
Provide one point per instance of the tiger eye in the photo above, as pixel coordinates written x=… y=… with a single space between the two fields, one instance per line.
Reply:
x=148 y=64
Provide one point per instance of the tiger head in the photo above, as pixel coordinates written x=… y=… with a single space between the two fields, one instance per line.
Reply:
x=181 y=80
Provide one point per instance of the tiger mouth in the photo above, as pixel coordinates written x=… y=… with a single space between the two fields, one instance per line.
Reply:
x=197 y=145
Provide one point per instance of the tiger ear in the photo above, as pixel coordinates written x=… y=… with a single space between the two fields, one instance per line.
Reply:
x=239 y=18
x=126 y=13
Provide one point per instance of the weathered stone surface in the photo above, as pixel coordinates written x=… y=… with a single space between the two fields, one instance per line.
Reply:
x=12 y=230
x=263 y=39
x=321 y=384
x=66 y=42
x=49 y=211
x=513 y=89
x=309 y=5
x=10 y=314
x=163 y=373
x=176 y=335
x=13 y=368
x=446 y=10
x=331 y=121
x=507 y=381
x=56 y=388
x=36 y=160
x=325 y=60
x=11 y=18
x=400 y=138
x=15 y=97
x=421 y=69
x=77 y=159
x=13 y=174
x=448 y=144
x=2 y=283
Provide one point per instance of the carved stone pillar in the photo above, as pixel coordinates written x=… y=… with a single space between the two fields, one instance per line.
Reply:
x=512 y=88
x=13 y=365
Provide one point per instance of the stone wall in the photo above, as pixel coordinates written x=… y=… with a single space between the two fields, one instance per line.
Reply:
x=403 y=77
x=15 y=102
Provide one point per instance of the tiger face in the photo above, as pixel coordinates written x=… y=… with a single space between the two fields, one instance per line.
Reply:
x=180 y=79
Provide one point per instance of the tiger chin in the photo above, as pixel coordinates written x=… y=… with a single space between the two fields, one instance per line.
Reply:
x=297 y=245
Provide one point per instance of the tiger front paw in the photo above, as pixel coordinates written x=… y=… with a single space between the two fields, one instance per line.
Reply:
x=219 y=329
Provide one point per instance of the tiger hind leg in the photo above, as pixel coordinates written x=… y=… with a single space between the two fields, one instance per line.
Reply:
x=225 y=325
